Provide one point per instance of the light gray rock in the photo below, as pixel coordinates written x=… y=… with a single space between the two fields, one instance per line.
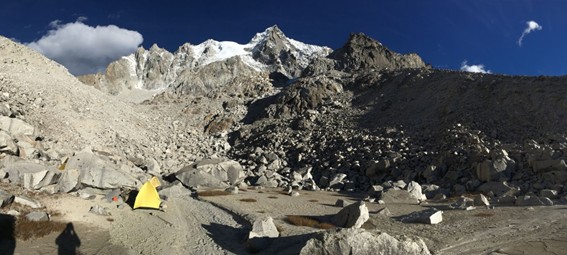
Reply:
x=5 y=198
x=233 y=190
x=86 y=194
x=362 y=242
x=225 y=170
x=337 y=181
x=31 y=176
x=492 y=170
x=196 y=178
x=7 y=144
x=69 y=180
x=17 y=128
x=27 y=202
x=533 y=201
x=393 y=196
x=99 y=210
x=430 y=216
x=99 y=173
x=177 y=190
x=352 y=216
x=262 y=234
x=415 y=190
x=13 y=213
x=37 y=216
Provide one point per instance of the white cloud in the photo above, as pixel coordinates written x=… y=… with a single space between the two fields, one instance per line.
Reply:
x=473 y=68
x=85 y=49
x=531 y=26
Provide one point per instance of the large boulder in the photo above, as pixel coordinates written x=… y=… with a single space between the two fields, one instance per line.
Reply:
x=352 y=216
x=263 y=231
x=31 y=176
x=214 y=173
x=98 y=173
x=7 y=144
x=69 y=180
x=17 y=128
x=398 y=196
x=533 y=201
x=362 y=242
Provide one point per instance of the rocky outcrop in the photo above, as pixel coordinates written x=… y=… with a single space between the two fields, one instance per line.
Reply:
x=359 y=241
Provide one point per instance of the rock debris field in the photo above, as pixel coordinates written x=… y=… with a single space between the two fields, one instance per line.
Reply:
x=283 y=148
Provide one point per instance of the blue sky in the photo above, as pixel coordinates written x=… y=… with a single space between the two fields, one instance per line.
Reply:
x=445 y=33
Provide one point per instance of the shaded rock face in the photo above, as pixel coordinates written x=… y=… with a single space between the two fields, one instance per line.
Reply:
x=363 y=53
x=359 y=241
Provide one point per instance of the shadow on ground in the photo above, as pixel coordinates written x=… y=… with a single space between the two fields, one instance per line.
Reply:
x=234 y=240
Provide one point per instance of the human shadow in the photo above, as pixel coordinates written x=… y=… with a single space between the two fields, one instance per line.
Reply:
x=68 y=241
x=7 y=238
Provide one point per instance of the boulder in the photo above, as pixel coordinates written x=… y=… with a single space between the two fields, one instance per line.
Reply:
x=533 y=201
x=69 y=180
x=492 y=170
x=98 y=173
x=415 y=191
x=195 y=178
x=31 y=176
x=223 y=169
x=549 y=193
x=5 y=198
x=362 y=242
x=99 y=210
x=549 y=165
x=481 y=200
x=37 y=216
x=384 y=212
x=497 y=188
x=17 y=128
x=352 y=216
x=464 y=203
x=430 y=216
x=263 y=231
x=393 y=196
x=27 y=202
x=7 y=144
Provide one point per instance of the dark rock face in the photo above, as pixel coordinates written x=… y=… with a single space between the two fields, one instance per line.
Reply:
x=363 y=52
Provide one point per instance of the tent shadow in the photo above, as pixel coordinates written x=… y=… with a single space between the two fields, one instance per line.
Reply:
x=7 y=238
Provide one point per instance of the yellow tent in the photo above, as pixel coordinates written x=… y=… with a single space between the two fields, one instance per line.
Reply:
x=148 y=196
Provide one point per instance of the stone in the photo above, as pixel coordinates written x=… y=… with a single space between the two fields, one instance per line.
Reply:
x=393 y=196
x=7 y=144
x=5 y=198
x=337 y=181
x=99 y=210
x=69 y=180
x=415 y=190
x=99 y=173
x=13 y=213
x=533 y=201
x=17 y=128
x=294 y=194
x=225 y=170
x=431 y=216
x=177 y=191
x=233 y=190
x=86 y=194
x=31 y=176
x=439 y=197
x=481 y=200
x=351 y=216
x=498 y=188
x=50 y=189
x=27 y=202
x=195 y=178
x=549 y=193
x=549 y=165
x=262 y=234
x=360 y=241
x=37 y=216
x=463 y=203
